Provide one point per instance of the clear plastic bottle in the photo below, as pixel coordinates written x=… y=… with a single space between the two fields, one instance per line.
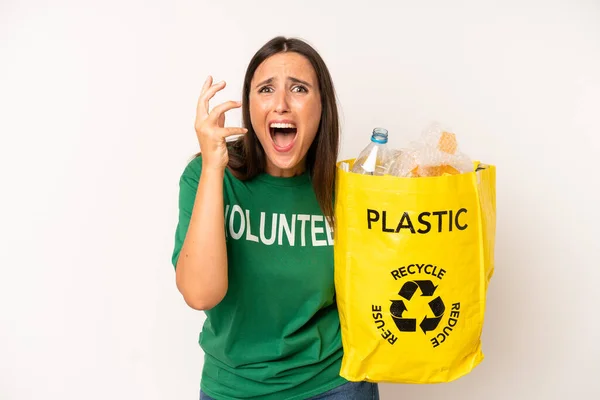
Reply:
x=373 y=159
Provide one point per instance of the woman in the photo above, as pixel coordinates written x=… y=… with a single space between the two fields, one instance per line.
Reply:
x=253 y=244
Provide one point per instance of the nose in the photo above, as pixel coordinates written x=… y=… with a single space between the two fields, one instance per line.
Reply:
x=281 y=102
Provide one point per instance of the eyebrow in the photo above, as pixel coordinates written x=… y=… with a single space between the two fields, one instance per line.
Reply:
x=291 y=78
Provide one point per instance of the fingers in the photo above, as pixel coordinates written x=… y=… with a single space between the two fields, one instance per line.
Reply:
x=202 y=106
x=207 y=84
x=222 y=108
x=208 y=92
x=234 y=131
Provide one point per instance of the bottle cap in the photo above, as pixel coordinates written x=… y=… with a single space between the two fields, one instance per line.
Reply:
x=379 y=135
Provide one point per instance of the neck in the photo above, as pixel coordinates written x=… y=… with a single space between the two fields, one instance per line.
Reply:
x=285 y=172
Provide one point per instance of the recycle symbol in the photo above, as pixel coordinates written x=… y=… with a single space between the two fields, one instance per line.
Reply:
x=410 y=324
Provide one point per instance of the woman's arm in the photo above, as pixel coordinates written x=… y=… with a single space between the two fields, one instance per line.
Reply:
x=201 y=270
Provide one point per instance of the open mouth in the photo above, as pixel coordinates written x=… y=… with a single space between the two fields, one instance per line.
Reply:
x=283 y=135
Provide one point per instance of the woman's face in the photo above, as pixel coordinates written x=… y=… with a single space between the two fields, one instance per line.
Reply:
x=285 y=110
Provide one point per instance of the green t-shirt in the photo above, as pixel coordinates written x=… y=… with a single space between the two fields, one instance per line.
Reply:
x=276 y=334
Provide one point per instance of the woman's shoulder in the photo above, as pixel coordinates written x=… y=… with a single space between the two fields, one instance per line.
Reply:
x=193 y=169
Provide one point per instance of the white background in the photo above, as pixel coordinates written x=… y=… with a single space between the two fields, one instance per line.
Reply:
x=97 y=104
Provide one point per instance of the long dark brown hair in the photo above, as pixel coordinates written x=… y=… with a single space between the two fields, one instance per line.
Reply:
x=247 y=158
